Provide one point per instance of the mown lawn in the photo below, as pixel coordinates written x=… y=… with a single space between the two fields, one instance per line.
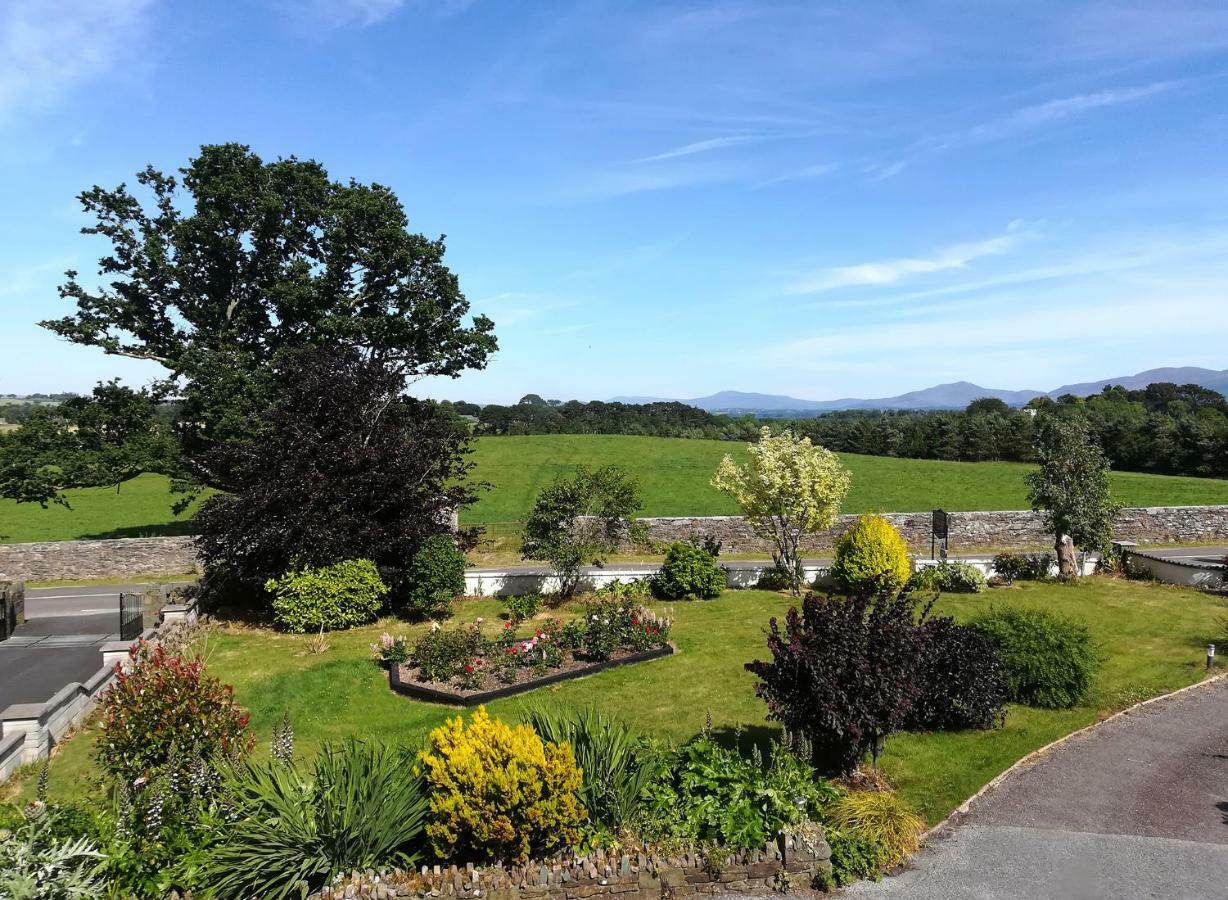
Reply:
x=1153 y=640
x=674 y=476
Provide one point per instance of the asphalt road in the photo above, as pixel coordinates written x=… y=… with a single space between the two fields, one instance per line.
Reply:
x=60 y=641
x=1137 y=808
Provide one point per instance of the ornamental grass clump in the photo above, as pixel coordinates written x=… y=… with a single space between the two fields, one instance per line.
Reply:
x=289 y=832
x=498 y=792
x=871 y=557
x=881 y=818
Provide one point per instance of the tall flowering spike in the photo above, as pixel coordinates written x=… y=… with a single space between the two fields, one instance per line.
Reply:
x=282 y=746
x=43 y=772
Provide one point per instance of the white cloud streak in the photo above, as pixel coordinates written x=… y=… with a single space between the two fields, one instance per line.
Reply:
x=1051 y=112
x=50 y=48
x=956 y=256
x=701 y=147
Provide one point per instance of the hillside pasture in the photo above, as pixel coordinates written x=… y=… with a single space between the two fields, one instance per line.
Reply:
x=673 y=473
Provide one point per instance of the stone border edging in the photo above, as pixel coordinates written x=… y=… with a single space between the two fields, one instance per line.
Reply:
x=964 y=808
x=451 y=698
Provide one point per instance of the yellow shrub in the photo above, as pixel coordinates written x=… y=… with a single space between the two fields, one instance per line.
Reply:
x=871 y=555
x=498 y=792
x=881 y=817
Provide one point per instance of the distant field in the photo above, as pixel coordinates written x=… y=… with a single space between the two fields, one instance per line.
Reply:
x=673 y=475
x=141 y=508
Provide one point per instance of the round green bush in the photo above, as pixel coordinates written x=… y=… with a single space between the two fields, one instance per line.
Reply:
x=689 y=572
x=1050 y=660
x=331 y=597
x=948 y=578
x=436 y=578
x=871 y=556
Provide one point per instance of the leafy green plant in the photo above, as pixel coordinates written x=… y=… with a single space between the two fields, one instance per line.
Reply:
x=579 y=520
x=1012 y=567
x=390 y=651
x=35 y=864
x=882 y=818
x=871 y=556
x=499 y=792
x=162 y=703
x=689 y=572
x=521 y=607
x=441 y=653
x=617 y=763
x=712 y=793
x=436 y=577
x=1050 y=659
x=853 y=858
x=362 y=806
x=338 y=596
x=948 y=578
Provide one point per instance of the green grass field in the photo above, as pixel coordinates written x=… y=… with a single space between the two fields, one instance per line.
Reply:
x=1152 y=639
x=674 y=477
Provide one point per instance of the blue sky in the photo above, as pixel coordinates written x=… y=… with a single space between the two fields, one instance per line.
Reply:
x=676 y=198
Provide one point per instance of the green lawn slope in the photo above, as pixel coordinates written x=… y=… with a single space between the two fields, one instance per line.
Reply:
x=674 y=477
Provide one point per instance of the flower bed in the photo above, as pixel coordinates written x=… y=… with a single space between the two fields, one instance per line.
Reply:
x=466 y=666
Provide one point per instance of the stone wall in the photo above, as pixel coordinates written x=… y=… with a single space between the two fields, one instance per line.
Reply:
x=119 y=558
x=1000 y=529
x=794 y=867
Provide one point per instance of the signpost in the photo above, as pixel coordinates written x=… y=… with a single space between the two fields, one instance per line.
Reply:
x=939 y=531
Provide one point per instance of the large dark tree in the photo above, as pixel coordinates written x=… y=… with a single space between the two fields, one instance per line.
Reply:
x=239 y=259
x=338 y=465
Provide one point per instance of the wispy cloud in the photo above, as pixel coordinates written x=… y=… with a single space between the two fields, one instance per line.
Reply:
x=956 y=256
x=341 y=13
x=605 y=185
x=701 y=147
x=50 y=48
x=1048 y=113
x=882 y=171
x=806 y=173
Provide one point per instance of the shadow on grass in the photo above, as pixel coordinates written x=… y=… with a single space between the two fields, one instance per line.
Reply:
x=163 y=529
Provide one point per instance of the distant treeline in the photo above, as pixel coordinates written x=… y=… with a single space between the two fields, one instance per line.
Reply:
x=1164 y=428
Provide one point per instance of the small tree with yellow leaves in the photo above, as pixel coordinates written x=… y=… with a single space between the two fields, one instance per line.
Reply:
x=788 y=489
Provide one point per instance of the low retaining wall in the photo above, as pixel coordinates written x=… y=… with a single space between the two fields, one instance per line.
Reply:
x=794 y=865
x=515 y=581
x=1000 y=529
x=29 y=731
x=98 y=559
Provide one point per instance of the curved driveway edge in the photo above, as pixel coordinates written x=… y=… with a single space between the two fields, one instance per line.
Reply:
x=1132 y=807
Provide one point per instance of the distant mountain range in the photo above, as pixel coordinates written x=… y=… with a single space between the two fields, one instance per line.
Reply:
x=942 y=396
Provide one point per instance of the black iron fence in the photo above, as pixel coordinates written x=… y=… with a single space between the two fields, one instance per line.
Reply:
x=131 y=616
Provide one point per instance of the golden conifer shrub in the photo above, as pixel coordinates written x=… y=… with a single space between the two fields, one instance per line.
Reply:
x=499 y=793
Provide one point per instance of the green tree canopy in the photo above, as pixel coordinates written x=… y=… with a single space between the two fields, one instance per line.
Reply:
x=1071 y=487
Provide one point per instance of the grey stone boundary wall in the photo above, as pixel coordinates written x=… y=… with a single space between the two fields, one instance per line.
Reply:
x=117 y=558
x=29 y=731
x=1003 y=529
x=794 y=865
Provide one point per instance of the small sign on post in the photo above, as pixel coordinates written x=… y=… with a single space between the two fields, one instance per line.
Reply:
x=939 y=531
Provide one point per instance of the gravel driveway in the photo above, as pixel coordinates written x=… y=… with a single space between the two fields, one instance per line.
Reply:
x=1136 y=808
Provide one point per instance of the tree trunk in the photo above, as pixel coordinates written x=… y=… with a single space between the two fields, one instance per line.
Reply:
x=1067 y=566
